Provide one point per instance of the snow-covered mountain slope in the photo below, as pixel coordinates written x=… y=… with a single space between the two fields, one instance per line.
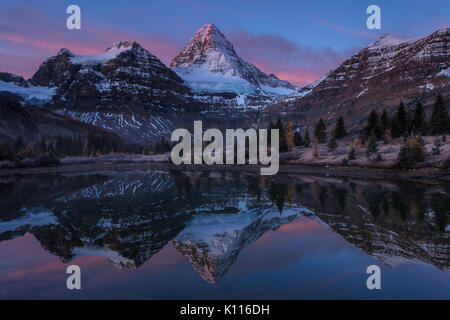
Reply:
x=378 y=76
x=209 y=63
x=33 y=94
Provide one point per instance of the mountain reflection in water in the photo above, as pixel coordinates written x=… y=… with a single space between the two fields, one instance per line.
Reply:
x=210 y=217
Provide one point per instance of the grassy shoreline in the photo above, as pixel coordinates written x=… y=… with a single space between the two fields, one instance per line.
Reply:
x=424 y=173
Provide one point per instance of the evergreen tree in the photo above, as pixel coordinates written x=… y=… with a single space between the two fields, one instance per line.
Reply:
x=437 y=146
x=59 y=146
x=320 y=131
x=279 y=124
x=298 y=140
x=373 y=125
x=157 y=148
x=384 y=121
x=271 y=126
x=306 y=139
x=25 y=152
x=400 y=121
x=5 y=152
x=418 y=118
x=43 y=145
x=352 y=154
x=332 y=144
x=372 y=144
x=18 y=145
x=339 y=129
x=283 y=145
x=411 y=152
x=439 y=121
x=404 y=157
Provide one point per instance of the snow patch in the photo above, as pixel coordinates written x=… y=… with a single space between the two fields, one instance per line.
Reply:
x=444 y=72
x=31 y=219
x=33 y=94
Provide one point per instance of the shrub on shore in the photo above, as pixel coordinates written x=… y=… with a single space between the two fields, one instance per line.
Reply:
x=411 y=152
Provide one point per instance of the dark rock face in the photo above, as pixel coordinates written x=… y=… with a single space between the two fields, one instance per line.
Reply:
x=31 y=123
x=17 y=80
x=55 y=70
x=15 y=121
x=377 y=77
x=125 y=76
x=125 y=89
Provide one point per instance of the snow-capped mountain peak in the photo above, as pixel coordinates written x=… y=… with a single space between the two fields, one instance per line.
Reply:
x=122 y=45
x=209 y=63
x=110 y=53
x=204 y=43
x=387 y=40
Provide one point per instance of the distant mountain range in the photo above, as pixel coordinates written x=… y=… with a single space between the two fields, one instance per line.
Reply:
x=130 y=92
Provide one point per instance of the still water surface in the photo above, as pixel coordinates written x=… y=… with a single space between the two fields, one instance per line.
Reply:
x=214 y=235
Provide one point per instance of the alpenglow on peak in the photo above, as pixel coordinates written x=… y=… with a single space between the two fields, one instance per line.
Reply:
x=209 y=63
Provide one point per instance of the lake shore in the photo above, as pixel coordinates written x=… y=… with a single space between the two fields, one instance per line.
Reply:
x=114 y=162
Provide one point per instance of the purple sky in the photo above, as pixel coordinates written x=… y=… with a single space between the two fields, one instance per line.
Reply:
x=297 y=40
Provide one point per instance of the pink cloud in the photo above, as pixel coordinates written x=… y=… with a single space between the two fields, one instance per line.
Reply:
x=23 y=47
x=286 y=59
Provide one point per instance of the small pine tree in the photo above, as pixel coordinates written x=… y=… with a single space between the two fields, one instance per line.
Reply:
x=5 y=152
x=18 y=145
x=373 y=125
x=306 y=139
x=400 y=122
x=283 y=145
x=332 y=144
x=437 y=146
x=372 y=144
x=384 y=121
x=411 y=152
x=298 y=140
x=157 y=148
x=418 y=118
x=320 y=131
x=271 y=126
x=439 y=122
x=352 y=154
x=339 y=130
x=404 y=157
